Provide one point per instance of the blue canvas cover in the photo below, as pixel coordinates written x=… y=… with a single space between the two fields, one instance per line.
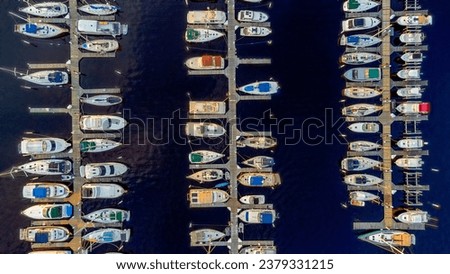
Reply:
x=108 y=236
x=30 y=28
x=69 y=210
x=256 y=180
x=41 y=237
x=266 y=218
x=353 y=39
x=359 y=22
x=249 y=88
x=55 y=77
x=264 y=87
x=40 y=192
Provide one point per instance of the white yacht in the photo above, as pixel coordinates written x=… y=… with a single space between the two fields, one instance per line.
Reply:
x=410 y=143
x=202 y=35
x=359 y=40
x=205 y=235
x=100 y=45
x=409 y=74
x=362 y=180
x=361 y=92
x=102 y=122
x=207 y=175
x=39 y=30
x=47 y=77
x=57 y=251
x=44 y=190
x=413 y=217
x=206 y=17
x=102 y=170
x=415 y=20
x=202 y=196
x=260 y=88
x=253 y=199
x=389 y=238
x=412 y=57
x=102 y=100
x=363 y=196
x=359 y=163
x=359 y=58
x=268 y=249
x=108 y=216
x=94 y=27
x=363 y=146
x=49 y=211
x=107 y=235
x=206 y=62
x=363 y=74
x=207 y=107
x=257 y=142
x=252 y=16
x=258 y=216
x=255 y=31
x=359 y=110
x=204 y=156
x=44 y=234
x=414 y=108
x=203 y=129
x=47 y=145
x=259 y=179
x=260 y=162
x=364 y=127
x=414 y=162
x=46 y=9
x=412 y=38
x=99 y=9
x=47 y=167
x=359 y=5
x=101 y=191
x=98 y=145
x=410 y=92
x=360 y=23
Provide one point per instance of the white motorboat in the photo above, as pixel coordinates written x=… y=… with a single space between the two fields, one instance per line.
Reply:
x=359 y=5
x=260 y=88
x=359 y=110
x=410 y=92
x=45 y=234
x=257 y=142
x=103 y=100
x=47 y=167
x=206 y=62
x=201 y=35
x=410 y=162
x=107 y=235
x=44 y=190
x=361 y=92
x=409 y=74
x=252 y=16
x=364 y=127
x=108 y=216
x=363 y=196
x=205 y=235
x=268 y=249
x=412 y=57
x=253 y=199
x=255 y=31
x=258 y=216
x=202 y=196
x=359 y=40
x=415 y=20
x=207 y=175
x=102 y=122
x=101 y=191
x=47 y=145
x=412 y=38
x=259 y=179
x=100 y=45
x=359 y=58
x=39 y=30
x=46 y=9
x=206 y=17
x=389 y=238
x=102 y=170
x=207 y=107
x=363 y=146
x=359 y=163
x=47 y=77
x=362 y=180
x=413 y=217
x=410 y=143
x=94 y=27
x=204 y=156
x=98 y=145
x=99 y=9
x=414 y=108
x=360 y=23
x=61 y=251
x=203 y=129
x=260 y=162
x=363 y=74
x=49 y=211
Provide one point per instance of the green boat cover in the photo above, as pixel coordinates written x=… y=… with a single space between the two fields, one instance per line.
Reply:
x=353 y=4
x=192 y=34
x=196 y=158
x=374 y=73
x=86 y=146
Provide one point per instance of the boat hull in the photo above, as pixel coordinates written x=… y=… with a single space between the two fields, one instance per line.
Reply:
x=108 y=235
x=46 y=9
x=259 y=179
x=47 y=167
x=101 y=191
x=99 y=9
x=39 y=30
x=108 y=216
x=45 y=191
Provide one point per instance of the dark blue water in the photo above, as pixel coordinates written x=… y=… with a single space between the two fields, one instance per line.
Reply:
x=155 y=88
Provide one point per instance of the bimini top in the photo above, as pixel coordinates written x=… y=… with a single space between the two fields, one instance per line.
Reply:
x=56 y=77
x=31 y=28
x=266 y=217
x=262 y=87
x=40 y=192
x=424 y=107
x=256 y=180
x=41 y=237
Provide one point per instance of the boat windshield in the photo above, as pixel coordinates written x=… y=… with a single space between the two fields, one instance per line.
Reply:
x=102 y=170
x=359 y=22
x=53 y=212
x=52 y=145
